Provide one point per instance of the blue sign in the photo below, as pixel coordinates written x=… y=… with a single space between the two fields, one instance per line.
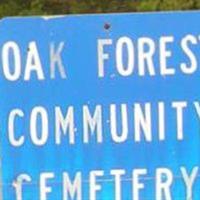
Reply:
x=100 y=107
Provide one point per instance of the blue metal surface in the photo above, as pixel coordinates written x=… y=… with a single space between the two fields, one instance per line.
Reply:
x=83 y=87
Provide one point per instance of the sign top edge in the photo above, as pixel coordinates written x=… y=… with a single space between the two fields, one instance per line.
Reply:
x=49 y=17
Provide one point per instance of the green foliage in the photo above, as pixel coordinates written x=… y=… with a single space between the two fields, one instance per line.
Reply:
x=49 y=7
x=35 y=7
x=10 y=8
x=159 y=5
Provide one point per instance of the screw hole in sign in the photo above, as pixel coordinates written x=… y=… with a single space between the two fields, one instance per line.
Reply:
x=107 y=26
